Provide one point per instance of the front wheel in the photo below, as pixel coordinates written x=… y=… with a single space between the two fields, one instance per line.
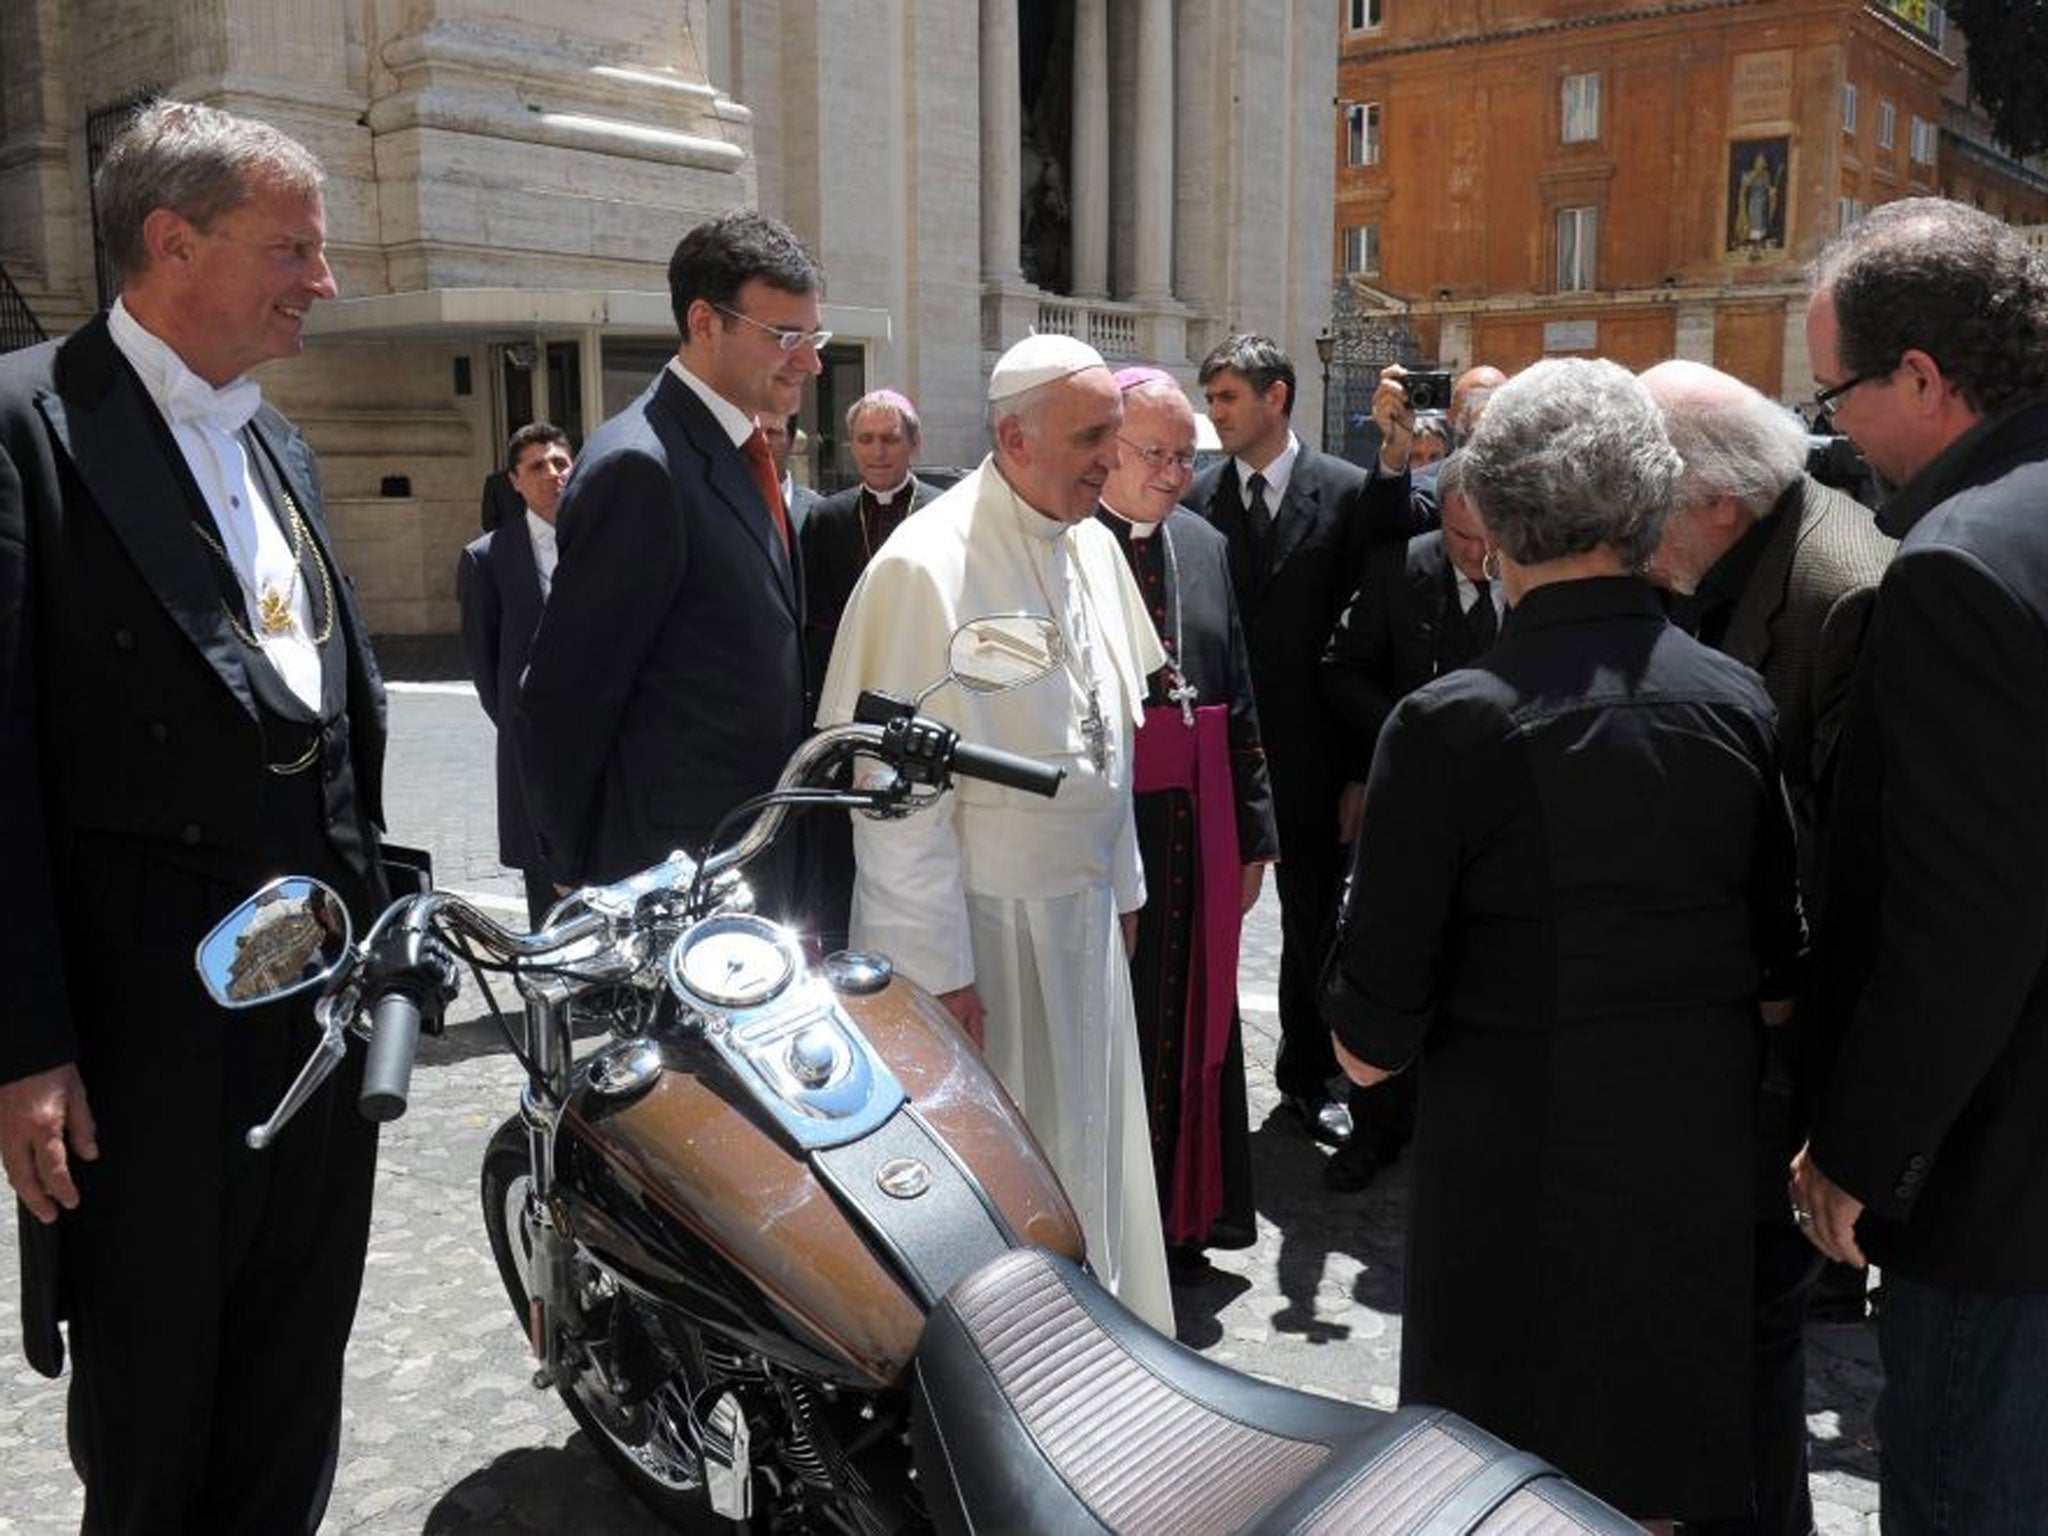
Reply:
x=650 y=1441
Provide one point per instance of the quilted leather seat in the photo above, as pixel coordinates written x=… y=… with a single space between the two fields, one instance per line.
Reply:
x=1043 y=1407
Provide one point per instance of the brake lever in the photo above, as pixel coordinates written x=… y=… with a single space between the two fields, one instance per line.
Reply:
x=333 y=1012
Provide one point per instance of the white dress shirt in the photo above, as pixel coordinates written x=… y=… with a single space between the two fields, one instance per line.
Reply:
x=542 y=532
x=1277 y=474
x=206 y=423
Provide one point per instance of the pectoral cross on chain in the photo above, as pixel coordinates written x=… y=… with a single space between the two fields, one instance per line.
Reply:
x=1095 y=735
x=1182 y=693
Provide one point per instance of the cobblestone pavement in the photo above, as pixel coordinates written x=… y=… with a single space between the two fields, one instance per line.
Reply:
x=443 y=1434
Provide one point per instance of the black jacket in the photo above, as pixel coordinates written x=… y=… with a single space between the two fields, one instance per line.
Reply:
x=1934 y=983
x=1315 y=561
x=666 y=681
x=836 y=550
x=497 y=586
x=1404 y=626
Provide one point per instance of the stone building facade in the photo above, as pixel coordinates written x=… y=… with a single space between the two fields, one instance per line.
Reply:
x=508 y=177
x=1634 y=180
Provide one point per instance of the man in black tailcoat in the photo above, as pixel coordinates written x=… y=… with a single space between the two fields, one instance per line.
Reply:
x=1297 y=551
x=501 y=581
x=188 y=708
x=666 y=683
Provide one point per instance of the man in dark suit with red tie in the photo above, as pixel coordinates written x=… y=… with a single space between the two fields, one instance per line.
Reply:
x=666 y=682
x=1297 y=552
x=501 y=581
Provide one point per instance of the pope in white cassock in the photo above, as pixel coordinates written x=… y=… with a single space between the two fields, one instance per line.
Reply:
x=1006 y=904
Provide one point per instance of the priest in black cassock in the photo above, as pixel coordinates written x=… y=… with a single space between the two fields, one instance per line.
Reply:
x=1205 y=825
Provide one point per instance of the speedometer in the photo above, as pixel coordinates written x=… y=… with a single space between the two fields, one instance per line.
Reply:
x=735 y=961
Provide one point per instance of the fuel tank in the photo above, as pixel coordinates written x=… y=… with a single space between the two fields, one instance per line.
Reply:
x=698 y=1196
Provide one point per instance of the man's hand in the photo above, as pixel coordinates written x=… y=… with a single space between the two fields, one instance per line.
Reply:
x=1254 y=881
x=1130 y=927
x=1395 y=418
x=1363 y=1073
x=964 y=1003
x=39 y=1115
x=1825 y=1211
x=1350 y=813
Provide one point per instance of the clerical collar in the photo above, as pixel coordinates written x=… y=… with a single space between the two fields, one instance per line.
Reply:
x=888 y=498
x=739 y=426
x=1131 y=525
x=1038 y=524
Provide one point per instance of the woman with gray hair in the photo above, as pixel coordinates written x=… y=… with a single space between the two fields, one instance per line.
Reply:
x=1573 y=894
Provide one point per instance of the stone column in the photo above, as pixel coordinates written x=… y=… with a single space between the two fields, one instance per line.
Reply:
x=1089 y=159
x=1153 y=124
x=1002 y=129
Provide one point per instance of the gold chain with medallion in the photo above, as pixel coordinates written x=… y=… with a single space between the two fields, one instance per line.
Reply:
x=274 y=608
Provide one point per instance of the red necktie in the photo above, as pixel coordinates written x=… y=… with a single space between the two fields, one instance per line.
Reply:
x=767 y=482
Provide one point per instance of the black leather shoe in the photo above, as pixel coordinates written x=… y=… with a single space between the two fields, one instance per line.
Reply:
x=1323 y=1118
x=1351 y=1167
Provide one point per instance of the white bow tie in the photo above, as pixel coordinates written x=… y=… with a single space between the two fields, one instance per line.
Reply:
x=194 y=402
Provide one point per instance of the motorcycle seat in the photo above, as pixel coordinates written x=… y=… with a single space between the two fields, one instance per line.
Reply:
x=1042 y=1406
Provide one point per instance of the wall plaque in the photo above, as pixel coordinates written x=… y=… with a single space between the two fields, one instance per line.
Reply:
x=1571 y=335
x=1760 y=87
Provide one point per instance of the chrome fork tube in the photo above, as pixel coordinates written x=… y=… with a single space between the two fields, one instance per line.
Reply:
x=549 y=1272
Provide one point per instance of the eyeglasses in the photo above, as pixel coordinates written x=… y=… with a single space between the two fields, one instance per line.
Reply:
x=1159 y=458
x=785 y=338
x=1824 y=399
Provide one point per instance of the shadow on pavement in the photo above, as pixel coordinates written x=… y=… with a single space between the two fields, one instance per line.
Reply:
x=541 y=1488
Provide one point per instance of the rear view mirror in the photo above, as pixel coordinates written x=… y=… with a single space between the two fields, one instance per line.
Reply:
x=1003 y=651
x=289 y=937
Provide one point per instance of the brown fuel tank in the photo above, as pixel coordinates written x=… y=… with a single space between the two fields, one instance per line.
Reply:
x=714 y=1168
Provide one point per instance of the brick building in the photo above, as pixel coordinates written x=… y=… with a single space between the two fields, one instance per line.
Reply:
x=1522 y=178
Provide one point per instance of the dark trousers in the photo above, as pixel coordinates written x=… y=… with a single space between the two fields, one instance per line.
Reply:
x=1307 y=880
x=210 y=1288
x=1962 y=1419
x=540 y=895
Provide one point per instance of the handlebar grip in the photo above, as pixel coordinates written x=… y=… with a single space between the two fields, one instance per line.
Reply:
x=999 y=767
x=387 y=1070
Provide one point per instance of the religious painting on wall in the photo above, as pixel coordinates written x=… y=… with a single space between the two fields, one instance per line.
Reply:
x=1757 y=186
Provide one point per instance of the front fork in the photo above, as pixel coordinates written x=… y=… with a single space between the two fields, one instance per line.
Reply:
x=549 y=1267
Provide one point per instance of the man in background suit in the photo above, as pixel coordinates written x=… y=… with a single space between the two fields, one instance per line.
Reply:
x=840 y=538
x=1773 y=568
x=188 y=709
x=666 y=682
x=1297 y=552
x=850 y=525
x=1425 y=608
x=501 y=581
x=1401 y=490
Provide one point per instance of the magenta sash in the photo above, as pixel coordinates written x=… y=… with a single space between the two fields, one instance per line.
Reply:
x=1170 y=755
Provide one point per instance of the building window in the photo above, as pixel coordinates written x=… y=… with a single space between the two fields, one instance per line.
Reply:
x=1362 y=133
x=1362 y=250
x=1887 y=125
x=1924 y=137
x=1362 y=15
x=1851 y=210
x=1578 y=233
x=1581 y=108
x=1848 y=106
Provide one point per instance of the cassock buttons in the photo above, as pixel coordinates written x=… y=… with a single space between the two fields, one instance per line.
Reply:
x=1917 y=1164
x=189 y=834
x=123 y=640
x=159 y=732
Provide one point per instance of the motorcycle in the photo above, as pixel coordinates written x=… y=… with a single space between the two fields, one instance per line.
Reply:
x=780 y=1241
